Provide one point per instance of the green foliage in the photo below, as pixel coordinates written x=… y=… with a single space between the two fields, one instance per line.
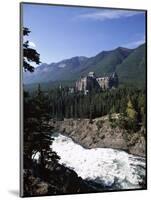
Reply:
x=49 y=86
x=131 y=113
x=127 y=123
x=61 y=103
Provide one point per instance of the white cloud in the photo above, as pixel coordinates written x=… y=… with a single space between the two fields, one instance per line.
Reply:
x=108 y=14
x=136 y=43
x=32 y=44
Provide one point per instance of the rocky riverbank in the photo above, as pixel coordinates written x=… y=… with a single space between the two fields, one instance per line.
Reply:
x=54 y=180
x=100 y=133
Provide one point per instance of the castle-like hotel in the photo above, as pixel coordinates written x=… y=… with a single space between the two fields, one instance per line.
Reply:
x=91 y=82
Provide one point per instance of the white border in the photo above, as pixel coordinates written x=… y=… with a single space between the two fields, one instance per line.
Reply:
x=9 y=101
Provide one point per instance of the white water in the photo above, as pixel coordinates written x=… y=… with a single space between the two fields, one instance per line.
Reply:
x=110 y=167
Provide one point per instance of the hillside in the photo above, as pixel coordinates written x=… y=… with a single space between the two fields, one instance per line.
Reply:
x=106 y=61
x=132 y=69
x=128 y=63
x=54 y=71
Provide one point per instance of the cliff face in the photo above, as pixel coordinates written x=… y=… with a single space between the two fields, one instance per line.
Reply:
x=100 y=133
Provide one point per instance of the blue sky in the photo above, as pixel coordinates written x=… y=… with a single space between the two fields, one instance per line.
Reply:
x=58 y=32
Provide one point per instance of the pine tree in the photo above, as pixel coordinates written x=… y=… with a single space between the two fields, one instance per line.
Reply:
x=37 y=133
x=29 y=54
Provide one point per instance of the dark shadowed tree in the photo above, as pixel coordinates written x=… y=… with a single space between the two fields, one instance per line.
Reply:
x=37 y=132
x=29 y=54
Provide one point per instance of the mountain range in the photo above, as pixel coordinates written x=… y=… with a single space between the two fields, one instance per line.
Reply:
x=129 y=64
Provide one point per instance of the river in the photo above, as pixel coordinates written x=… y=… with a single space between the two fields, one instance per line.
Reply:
x=114 y=169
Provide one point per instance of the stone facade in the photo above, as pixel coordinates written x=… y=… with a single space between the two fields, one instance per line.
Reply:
x=90 y=82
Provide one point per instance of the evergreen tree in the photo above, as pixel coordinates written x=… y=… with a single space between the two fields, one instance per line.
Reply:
x=37 y=133
x=132 y=123
x=29 y=54
x=129 y=101
x=131 y=113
